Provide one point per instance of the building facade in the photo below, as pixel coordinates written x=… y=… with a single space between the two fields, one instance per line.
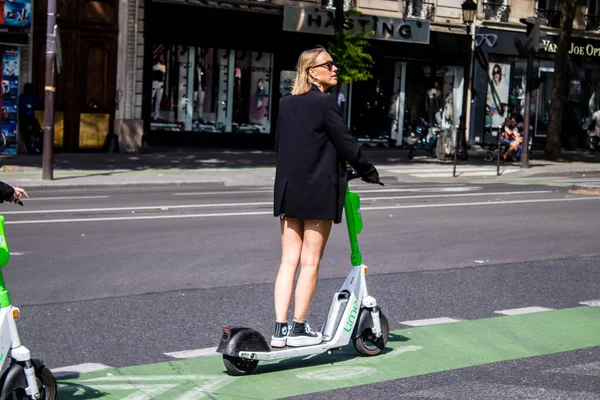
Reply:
x=500 y=65
x=211 y=73
x=85 y=85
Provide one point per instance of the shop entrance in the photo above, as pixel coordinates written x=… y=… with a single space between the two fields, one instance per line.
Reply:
x=387 y=109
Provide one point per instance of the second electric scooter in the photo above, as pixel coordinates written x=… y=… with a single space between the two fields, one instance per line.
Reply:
x=353 y=315
x=21 y=377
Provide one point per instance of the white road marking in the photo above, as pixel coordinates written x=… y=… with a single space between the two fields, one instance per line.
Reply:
x=254 y=213
x=432 y=196
x=145 y=391
x=142 y=392
x=336 y=373
x=66 y=198
x=79 y=369
x=431 y=321
x=224 y=192
x=148 y=378
x=16 y=253
x=482 y=203
x=524 y=310
x=354 y=189
x=207 y=390
x=139 y=208
x=591 y=303
x=209 y=351
x=251 y=204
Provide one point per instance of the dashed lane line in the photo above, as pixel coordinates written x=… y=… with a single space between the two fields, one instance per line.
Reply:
x=254 y=213
x=523 y=310
x=431 y=321
x=207 y=352
x=78 y=369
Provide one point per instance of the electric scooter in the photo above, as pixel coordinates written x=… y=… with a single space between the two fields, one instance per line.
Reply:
x=21 y=377
x=353 y=315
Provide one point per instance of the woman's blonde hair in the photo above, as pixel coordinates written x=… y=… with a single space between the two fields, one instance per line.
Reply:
x=306 y=61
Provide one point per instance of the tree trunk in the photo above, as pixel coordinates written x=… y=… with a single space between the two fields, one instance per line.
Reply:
x=559 y=90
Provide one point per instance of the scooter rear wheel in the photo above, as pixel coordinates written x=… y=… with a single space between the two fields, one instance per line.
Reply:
x=368 y=345
x=47 y=384
x=238 y=366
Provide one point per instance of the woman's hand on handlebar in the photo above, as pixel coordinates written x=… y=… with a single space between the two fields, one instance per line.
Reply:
x=378 y=181
x=18 y=194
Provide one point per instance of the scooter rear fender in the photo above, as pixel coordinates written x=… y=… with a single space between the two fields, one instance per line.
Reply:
x=14 y=378
x=234 y=340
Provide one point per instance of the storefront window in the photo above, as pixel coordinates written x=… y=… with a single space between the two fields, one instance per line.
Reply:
x=199 y=89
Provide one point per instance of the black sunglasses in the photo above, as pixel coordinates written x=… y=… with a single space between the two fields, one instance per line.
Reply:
x=329 y=65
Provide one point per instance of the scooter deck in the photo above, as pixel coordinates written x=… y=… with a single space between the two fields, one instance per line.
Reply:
x=277 y=353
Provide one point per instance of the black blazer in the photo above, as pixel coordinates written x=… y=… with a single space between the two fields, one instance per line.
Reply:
x=6 y=192
x=313 y=143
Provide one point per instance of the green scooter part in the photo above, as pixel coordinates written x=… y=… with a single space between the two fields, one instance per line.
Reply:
x=4 y=256
x=354 y=224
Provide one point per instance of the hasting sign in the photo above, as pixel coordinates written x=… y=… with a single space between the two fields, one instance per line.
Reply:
x=316 y=20
x=578 y=50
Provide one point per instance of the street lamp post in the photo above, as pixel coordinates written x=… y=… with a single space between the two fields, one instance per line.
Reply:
x=469 y=9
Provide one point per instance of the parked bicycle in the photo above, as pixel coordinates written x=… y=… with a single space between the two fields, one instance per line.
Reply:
x=427 y=138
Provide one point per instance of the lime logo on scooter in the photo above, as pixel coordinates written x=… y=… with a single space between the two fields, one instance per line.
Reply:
x=352 y=317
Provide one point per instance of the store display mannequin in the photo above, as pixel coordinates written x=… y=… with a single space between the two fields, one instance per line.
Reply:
x=377 y=110
x=433 y=102
x=199 y=88
x=159 y=70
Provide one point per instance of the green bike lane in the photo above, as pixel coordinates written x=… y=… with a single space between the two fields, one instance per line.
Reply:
x=410 y=352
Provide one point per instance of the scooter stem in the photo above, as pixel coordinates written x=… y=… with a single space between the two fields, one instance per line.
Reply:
x=354 y=223
x=4 y=256
x=4 y=296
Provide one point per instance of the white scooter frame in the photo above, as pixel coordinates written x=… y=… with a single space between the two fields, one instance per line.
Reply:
x=353 y=315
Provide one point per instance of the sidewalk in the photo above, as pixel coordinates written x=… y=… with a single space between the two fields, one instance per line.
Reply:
x=230 y=167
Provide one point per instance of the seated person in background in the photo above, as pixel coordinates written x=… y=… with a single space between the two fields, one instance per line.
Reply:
x=510 y=138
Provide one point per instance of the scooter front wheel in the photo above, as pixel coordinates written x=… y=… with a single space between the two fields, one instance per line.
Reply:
x=367 y=344
x=238 y=366
x=47 y=384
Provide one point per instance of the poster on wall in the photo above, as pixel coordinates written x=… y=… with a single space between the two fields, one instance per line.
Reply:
x=10 y=99
x=497 y=95
x=260 y=89
x=16 y=13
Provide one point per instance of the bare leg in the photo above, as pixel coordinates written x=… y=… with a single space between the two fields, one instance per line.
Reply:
x=291 y=247
x=316 y=234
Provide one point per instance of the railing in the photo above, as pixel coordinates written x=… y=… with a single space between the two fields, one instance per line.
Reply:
x=592 y=22
x=330 y=4
x=419 y=9
x=496 y=12
x=552 y=16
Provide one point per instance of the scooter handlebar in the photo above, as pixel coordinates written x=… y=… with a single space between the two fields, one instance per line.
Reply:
x=352 y=174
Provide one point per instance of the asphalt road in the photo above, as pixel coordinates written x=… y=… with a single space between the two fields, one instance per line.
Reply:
x=121 y=277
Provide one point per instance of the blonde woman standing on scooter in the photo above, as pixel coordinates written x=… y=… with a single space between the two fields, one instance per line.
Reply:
x=313 y=144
